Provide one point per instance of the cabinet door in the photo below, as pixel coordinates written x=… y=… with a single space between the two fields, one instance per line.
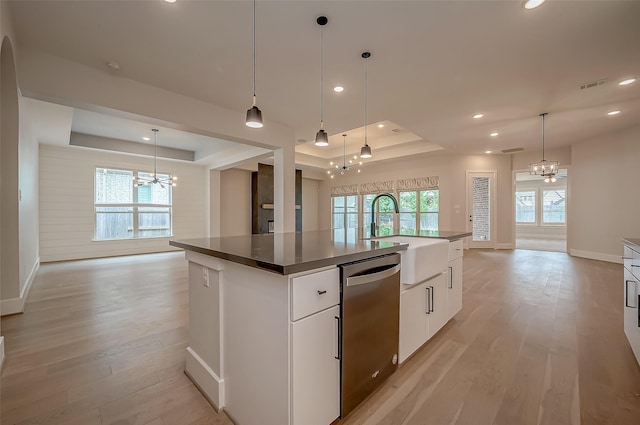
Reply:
x=315 y=369
x=631 y=311
x=414 y=319
x=454 y=292
x=439 y=314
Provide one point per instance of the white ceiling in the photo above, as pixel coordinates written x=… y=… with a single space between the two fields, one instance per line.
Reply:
x=433 y=65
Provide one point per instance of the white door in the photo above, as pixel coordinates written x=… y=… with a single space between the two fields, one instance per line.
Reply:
x=480 y=208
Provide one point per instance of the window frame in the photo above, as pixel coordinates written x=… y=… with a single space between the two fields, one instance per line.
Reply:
x=536 y=195
x=552 y=223
x=418 y=212
x=135 y=207
x=345 y=214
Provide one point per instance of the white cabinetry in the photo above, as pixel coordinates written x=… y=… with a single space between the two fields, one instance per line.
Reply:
x=631 y=295
x=315 y=362
x=423 y=311
x=426 y=307
x=454 y=293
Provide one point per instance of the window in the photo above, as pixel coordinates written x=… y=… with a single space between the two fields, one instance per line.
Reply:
x=345 y=216
x=553 y=206
x=125 y=210
x=419 y=211
x=526 y=206
x=383 y=215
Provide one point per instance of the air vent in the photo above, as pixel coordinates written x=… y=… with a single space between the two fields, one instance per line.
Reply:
x=512 y=150
x=593 y=84
x=396 y=130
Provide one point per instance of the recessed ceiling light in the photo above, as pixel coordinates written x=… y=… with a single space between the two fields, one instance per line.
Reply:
x=170 y=1
x=380 y=125
x=338 y=89
x=487 y=151
x=146 y=138
x=494 y=134
x=532 y=4
x=478 y=116
x=627 y=82
x=612 y=113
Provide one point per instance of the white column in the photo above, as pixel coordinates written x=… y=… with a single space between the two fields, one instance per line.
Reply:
x=284 y=188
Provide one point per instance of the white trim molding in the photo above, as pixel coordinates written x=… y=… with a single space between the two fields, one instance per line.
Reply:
x=205 y=379
x=419 y=183
x=16 y=305
x=596 y=256
x=504 y=245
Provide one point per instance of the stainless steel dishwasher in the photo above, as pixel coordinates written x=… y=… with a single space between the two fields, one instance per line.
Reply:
x=370 y=298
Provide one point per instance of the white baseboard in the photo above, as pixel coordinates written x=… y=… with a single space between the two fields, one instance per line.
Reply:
x=504 y=246
x=1 y=352
x=209 y=384
x=16 y=305
x=596 y=256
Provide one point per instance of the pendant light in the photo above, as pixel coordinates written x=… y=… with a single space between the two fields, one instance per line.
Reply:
x=544 y=168
x=346 y=167
x=254 y=114
x=365 y=151
x=321 y=135
x=143 y=181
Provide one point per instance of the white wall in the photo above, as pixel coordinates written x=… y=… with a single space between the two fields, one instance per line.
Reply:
x=28 y=199
x=453 y=198
x=604 y=200
x=310 y=204
x=235 y=202
x=67 y=197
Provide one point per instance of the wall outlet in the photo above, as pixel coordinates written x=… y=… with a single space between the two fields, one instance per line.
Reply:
x=205 y=277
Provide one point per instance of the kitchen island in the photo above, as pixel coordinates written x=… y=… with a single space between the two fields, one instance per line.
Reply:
x=264 y=313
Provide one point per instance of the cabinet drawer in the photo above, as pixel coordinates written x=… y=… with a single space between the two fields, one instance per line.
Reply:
x=455 y=249
x=314 y=292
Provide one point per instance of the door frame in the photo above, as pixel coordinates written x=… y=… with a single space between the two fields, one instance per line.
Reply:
x=493 y=175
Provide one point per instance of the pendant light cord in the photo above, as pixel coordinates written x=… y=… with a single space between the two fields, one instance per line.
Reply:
x=155 y=152
x=254 y=52
x=542 y=115
x=321 y=77
x=366 y=97
x=344 y=151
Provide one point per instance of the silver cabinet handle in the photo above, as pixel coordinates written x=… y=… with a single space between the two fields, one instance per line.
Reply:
x=339 y=345
x=432 y=301
x=450 y=277
x=428 y=294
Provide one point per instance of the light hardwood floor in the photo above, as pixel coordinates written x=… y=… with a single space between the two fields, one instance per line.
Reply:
x=539 y=341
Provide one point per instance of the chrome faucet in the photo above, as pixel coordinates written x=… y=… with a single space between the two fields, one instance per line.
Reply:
x=373 y=210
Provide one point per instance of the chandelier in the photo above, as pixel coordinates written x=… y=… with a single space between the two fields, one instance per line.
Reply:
x=346 y=166
x=544 y=168
x=143 y=181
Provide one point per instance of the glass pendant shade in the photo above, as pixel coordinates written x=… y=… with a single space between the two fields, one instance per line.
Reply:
x=254 y=117
x=365 y=151
x=321 y=138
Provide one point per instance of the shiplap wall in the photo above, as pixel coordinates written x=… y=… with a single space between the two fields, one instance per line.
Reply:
x=66 y=203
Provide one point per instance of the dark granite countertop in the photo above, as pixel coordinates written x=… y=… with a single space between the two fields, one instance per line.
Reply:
x=632 y=241
x=287 y=253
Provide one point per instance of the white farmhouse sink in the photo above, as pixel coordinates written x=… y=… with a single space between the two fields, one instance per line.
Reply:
x=424 y=258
